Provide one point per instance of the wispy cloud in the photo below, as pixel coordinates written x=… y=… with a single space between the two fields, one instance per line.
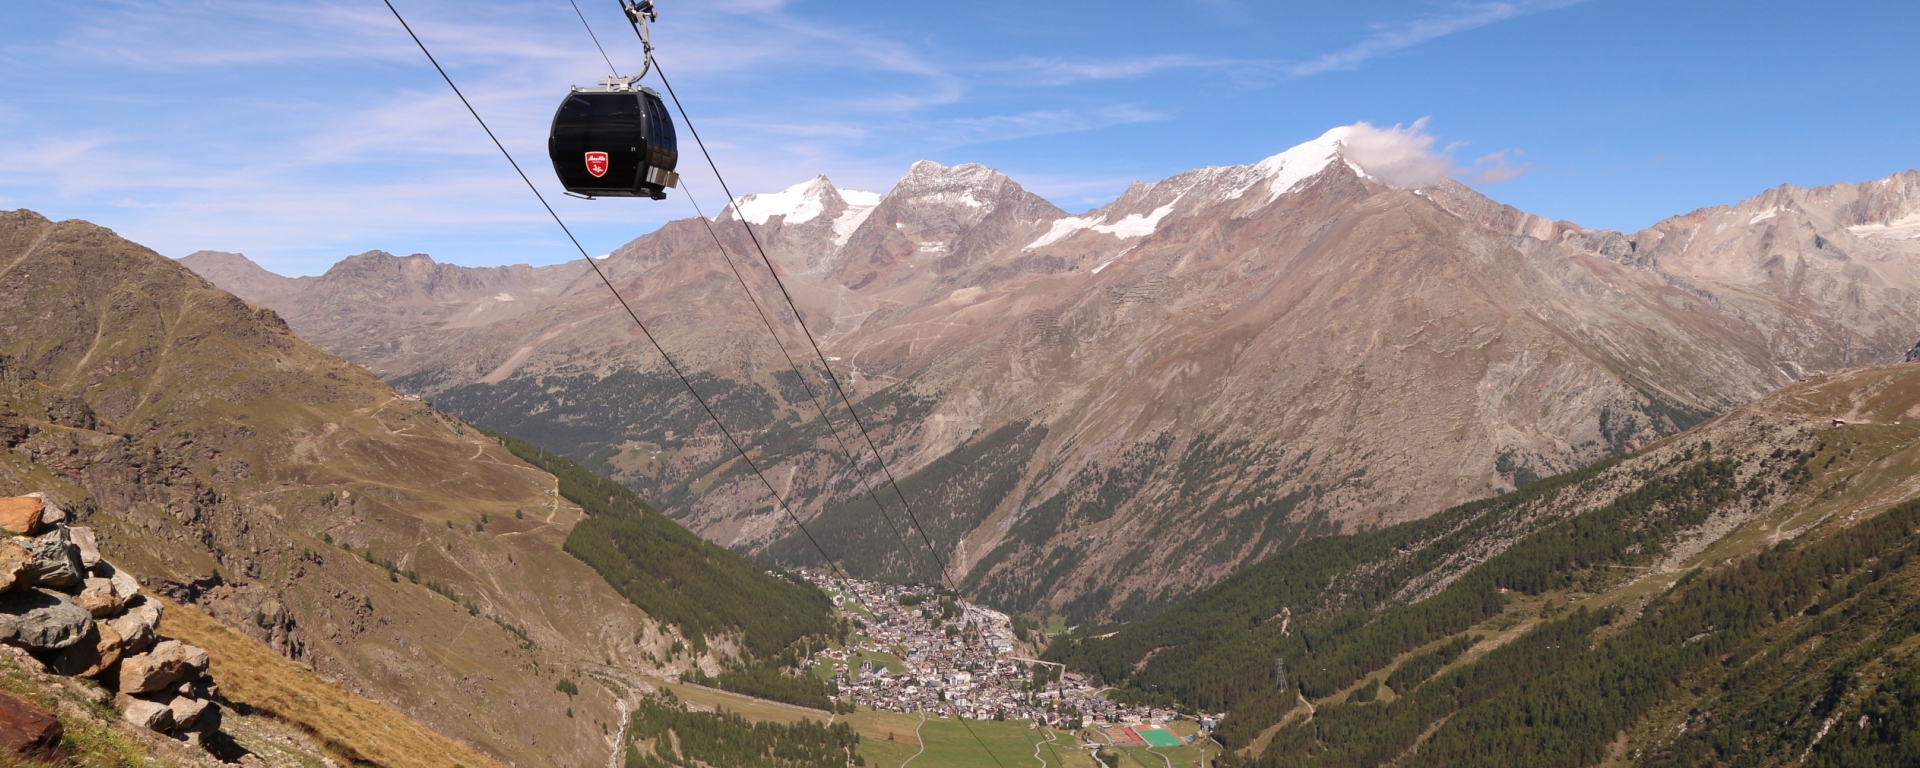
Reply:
x=1497 y=167
x=1389 y=39
x=1055 y=71
x=299 y=132
x=974 y=130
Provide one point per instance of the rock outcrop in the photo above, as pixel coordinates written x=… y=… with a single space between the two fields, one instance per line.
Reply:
x=21 y=514
x=30 y=731
x=82 y=617
x=1913 y=355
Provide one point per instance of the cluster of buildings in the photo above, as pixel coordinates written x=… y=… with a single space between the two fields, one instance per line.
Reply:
x=918 y=652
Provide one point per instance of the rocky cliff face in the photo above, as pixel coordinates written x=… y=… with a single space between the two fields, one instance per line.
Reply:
x=389 y=546
x=1203 y=372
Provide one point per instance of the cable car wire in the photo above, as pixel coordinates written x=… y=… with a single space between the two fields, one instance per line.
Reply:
x=852 y=463
x=905 y=505
x=604 y=279
x=596 y=39
x=778 y=499
x=767 y=321
x=704 y=406
x=845 y=450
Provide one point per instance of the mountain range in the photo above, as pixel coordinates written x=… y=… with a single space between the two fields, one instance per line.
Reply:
x=1098 y=414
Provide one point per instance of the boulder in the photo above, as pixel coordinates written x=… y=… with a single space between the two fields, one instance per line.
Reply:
x=21 y=514
x=87 y=544
x=168 y=663
x=29 y=731
x=146 y=714
x=139 y=627
x=187 y=711
x=52 y=513
x=39 y=620
x=92 y=656
x=14 y=559
x=125 y=586
x=98 y=596
x=56 y=562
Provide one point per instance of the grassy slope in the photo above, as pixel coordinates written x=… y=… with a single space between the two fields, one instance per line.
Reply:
x=675 y=576
x=202 y=439
x=269 y=685
x=1345 y=612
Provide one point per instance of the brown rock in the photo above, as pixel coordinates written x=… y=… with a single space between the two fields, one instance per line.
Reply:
x=143 y=713
x=21 y=514
x=87 y=544
x=187 y=711
x=139 y=627
x=90 y=657
x=168 y=663
x=98 y=596
x=125 y=586
x=14 y=559
x=51 y=513
x=29 y=731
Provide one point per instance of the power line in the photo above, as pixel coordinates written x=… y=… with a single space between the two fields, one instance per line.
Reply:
x=777 y=498
x=905 y=505
x=853 y=464
x=728 y=434
x=798 y=318
x=596 y=40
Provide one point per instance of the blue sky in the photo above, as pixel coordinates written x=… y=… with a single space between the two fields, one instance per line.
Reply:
x=299 y=133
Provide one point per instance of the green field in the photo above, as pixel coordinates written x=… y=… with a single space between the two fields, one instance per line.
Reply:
x=949 y=745
x=1196 y=755
x=1158 y=737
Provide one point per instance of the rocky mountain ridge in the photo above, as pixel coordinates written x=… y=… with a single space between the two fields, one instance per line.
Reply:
x=1206 y=371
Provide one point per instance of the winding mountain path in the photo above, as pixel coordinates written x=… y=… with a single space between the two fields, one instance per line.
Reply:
x=919 y=738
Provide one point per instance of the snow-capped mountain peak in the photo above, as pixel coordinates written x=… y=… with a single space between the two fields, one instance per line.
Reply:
x=804 y=202
x=1286 y=170
x=969 y=184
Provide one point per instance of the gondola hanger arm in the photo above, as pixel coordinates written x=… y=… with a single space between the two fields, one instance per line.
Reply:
x=639 y=13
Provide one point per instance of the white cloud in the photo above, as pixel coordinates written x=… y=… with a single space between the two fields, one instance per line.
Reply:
x=1394 y=38
x=1058 y=72
x=1497 y=167
x=1405 y=157
x=1401 y=157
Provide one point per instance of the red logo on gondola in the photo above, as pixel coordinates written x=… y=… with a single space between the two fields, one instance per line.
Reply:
x=597 y=164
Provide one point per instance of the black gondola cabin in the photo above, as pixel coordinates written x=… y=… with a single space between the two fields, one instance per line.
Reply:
x=613 y=142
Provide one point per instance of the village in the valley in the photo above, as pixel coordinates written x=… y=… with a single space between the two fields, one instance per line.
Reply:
x=914 y=651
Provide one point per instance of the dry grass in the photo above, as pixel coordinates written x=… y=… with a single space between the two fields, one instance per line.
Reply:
x=356 y=729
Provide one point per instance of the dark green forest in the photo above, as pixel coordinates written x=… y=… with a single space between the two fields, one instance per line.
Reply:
x=1336 y=612
x=1558 y=696
x=676 y=576
x=726 y=740
x=770 y=680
